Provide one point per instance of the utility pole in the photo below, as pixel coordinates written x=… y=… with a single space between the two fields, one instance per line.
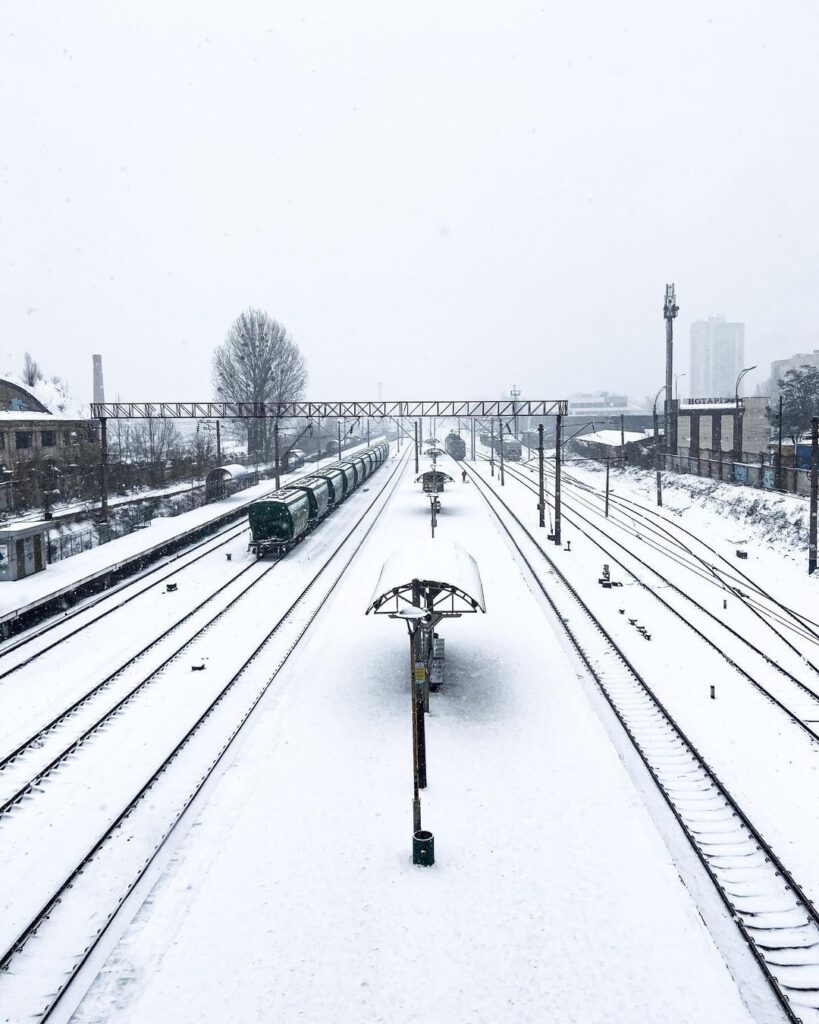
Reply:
x=492 y=442
x=657 y=457
x=500 y=434
x=623 y=436
x=779 y=474
x=218 y=443
x=338 y=430
x=416 y=446
x=608 y=461
x=558 y=444
x=814 y=491
x=472 y=424
x=368 y=431
x=541 y=496
x=104 y=470
x=670 y=310
x=276 y=448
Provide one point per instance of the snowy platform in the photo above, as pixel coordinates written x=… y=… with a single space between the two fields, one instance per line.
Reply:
x=554 y=896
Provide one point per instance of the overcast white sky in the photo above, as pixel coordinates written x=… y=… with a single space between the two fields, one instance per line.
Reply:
x=446 y=197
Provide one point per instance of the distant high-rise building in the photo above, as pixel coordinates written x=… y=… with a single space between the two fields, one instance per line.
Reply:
x=716 y=357
x=779 y=367
x=99 y=390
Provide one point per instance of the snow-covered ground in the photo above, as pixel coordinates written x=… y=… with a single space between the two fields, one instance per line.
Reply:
x=69 y=572
x=553 y=897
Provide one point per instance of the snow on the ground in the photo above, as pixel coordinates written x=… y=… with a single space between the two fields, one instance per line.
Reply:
x=62 y=575
x=293 y=897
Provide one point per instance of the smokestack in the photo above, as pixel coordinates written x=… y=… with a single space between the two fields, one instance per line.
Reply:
x=99 y=390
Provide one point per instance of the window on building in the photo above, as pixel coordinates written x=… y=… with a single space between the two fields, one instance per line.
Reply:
x=92 y=435
x=2 y=441
x=48 y=438
x=23 y=439
x=69 y=437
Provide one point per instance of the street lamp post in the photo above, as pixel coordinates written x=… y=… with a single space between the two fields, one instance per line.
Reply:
x=737 y=417
x=676 y=385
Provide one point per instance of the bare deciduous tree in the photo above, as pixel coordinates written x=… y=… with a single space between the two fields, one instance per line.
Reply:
x=31 y=371
x=258 y=362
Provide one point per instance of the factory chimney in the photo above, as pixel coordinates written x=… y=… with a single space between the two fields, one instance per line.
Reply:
x=99 y=390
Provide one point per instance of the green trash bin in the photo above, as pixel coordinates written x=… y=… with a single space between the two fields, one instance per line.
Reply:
x=423 y=848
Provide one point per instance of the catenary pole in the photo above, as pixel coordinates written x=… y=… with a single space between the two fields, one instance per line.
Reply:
x=492 y=448
x=558 y=445
x=608 y=461
x=779 y=473
x=416 y=447
x=500 y=444
x=541 y=502
x=218 y=443
x=104 y=469
x=814 y=491
x=670 y=310
x=276 y=449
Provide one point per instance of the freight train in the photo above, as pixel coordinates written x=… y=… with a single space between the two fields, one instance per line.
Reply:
x=285 y=517
x=455 y=446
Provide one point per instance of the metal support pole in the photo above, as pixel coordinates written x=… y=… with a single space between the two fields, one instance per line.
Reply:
x=472 y=423
x=540 y=489
x=779 y=473
x=368 y=431
x=814 y=491
x=608 y=462
x=104 y=469
x=622 y=435
x=558 y=445
x=670 y=310
x=492 y=446
x=416 y=799
x=276 y=450
x=218 y=443
x=500 y=443
x=658 y=458
x=416 y=446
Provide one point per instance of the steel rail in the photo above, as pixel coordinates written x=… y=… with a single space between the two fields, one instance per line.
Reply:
x=770 y=943
x=799 y=722
x=30 y=930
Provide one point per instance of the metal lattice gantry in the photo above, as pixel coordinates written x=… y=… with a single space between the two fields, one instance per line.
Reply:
x=324 y=410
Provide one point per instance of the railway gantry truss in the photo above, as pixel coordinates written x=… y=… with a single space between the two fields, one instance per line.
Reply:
x=501 y=409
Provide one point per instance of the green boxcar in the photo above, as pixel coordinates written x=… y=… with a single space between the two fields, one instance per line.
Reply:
x=278 y=521
x=317 y=490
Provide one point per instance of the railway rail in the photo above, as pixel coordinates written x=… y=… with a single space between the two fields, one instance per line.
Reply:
x=70 y=920
x=787 y=693
x=770 y=909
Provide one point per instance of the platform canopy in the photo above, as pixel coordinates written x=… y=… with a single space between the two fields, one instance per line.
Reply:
x=434 y=474
x=443 y=576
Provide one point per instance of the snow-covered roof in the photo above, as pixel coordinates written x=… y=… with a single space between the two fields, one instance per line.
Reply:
x=438 y=565
x=17 y=414
x=436 y=473
x=234 y=471
x=611 y=438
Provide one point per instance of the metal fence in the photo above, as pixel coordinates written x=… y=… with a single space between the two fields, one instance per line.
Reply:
x=65 y=543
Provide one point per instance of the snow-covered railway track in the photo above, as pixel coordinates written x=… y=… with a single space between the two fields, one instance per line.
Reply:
x=42 y=952
x=776 y=918
x=31 y=761
x=797 y=699
x=71 y=623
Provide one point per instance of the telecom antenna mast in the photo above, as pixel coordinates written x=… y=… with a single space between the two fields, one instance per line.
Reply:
x=670 y=310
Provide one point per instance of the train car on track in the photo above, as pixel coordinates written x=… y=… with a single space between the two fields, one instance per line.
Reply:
x=294 y=459
x=278 y=522
x=456 y=446
x=511 y=451
x=226 y=480
x=285 y=517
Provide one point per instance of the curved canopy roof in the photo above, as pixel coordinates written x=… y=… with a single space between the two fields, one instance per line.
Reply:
x=447 y=576
x=437 y=473
x=234 y=471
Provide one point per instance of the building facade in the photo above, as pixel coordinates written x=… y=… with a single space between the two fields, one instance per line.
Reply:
x=716 y=357
x=779 y=367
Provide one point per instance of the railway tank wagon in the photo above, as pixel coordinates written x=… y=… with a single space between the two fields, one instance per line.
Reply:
x=283 y=519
